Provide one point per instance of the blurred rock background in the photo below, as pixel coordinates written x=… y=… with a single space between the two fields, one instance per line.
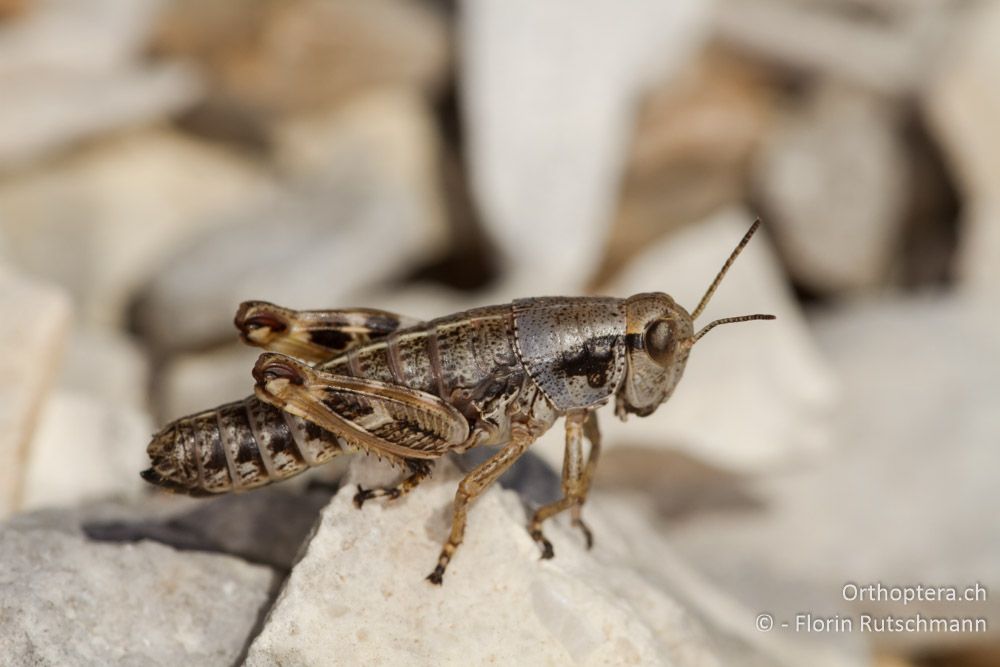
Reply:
x=163 y=160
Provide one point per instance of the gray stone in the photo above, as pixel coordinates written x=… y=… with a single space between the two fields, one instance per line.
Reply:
x=359 y=211
x=909 y=495
x=31 y=337
x=548 y=95
x=832 y=179
x=67 y=600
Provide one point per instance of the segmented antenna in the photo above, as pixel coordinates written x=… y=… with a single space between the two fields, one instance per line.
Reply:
x=727 y=320
x=715 y=284
x=722 y=271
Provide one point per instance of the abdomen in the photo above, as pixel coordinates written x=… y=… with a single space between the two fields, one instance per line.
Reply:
x=236 y=446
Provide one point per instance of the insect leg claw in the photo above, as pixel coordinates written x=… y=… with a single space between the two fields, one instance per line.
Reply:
x=587 y=535
x=362 y=495
x=546 y=546
x=437 y=576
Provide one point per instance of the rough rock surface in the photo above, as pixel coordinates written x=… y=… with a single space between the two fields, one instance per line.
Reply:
x=909 y=496
x=358 y=595
x=65 y=600
x=31 y=337
x=753 y=395
x=548 y=93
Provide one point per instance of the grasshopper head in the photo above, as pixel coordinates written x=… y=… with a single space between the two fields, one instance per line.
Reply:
x=656 y=337
x=659 y=336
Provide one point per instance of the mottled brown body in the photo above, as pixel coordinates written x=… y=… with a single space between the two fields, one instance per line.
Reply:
x=410 y=392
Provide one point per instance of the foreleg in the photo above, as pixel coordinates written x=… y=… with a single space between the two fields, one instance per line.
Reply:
x=576 y=478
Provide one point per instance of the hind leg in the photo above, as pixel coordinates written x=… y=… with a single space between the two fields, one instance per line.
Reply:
x=420 y=470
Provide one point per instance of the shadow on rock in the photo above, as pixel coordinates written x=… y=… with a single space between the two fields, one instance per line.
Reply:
x=266 y=526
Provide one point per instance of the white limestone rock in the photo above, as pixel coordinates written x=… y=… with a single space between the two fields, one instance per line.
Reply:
x=753 y=395
x=833 y=180
x=961 y=105
x=31 y=338
x=359 y=210
x=66 y=600
x=358 y=595
x=102 y=222
x=549 y=91
x=909 y=497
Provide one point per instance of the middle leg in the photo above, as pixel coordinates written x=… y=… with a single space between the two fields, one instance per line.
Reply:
x=420 y=469
x=471 y=486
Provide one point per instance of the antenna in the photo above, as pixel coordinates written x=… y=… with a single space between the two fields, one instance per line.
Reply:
x=728 y=320
x=722 y=273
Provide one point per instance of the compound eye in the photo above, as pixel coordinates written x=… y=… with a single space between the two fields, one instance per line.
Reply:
x=660 y=341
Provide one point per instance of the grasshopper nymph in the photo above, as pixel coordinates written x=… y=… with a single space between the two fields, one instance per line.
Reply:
x=349 y=380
